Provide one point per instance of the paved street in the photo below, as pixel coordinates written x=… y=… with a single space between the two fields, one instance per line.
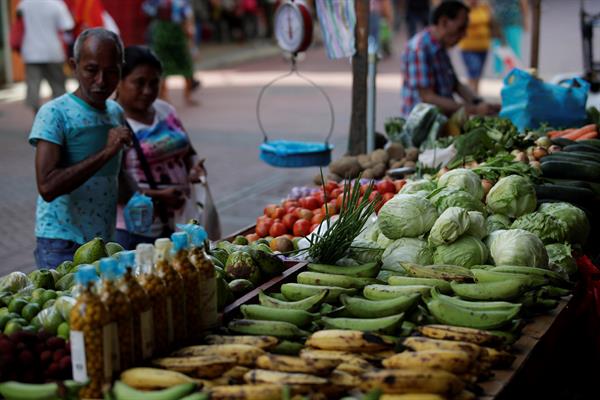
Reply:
x=224 y=129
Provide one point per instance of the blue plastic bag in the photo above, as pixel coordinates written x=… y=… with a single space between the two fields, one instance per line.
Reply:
x=139 y=214
x=528 y=101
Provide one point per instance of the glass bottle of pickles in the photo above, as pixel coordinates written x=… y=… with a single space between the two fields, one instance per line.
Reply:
x=175 y=291
x=89 y=337
x=141 y=307
x=118 y=306
x=157 y=291
x=208 y=277
x=191 y=279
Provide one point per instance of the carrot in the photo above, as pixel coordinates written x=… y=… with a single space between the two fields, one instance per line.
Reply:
x=581 y=131
x=554 y=134
x=591 y=135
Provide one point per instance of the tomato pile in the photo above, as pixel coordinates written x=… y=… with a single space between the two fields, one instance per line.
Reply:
x=299 y=217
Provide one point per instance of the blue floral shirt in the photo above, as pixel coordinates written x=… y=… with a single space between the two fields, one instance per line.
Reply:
x=90 y=210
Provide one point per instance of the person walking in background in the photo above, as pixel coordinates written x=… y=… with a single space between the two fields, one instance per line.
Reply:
x=79 y=138
x=417 y=16
x=42 y=49
x=164 y=143
x=381 y=19
x=512 y=17
x=476 y=43
x=171 y=31
x=201 y=16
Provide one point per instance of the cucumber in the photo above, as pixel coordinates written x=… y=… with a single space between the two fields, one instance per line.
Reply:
x=572 y=155
x=590 y=142
x=570 y=194
x=581 y=170
x=582 y=147
x=562 y=141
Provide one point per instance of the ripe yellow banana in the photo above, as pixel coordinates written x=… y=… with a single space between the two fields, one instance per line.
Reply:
x=263 y=342
x=236 y=372
x=348 y=340
x=465 y=395
x=412 y=381
x=496 y=358
x=471 y=335
x=457 y=362
x=280 y=363
x=355 y=366
x=341 y=378
x=412 y=396
x=266 y=391
x=201 y=366
x=243 y=354
x=285 y=378
x=421 y=343
x=153 y=378
x=333 y=355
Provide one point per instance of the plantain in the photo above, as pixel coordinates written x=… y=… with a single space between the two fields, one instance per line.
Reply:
x=471 y=335
x=555 y=278
x=412 y=396
x=363 y=308
x=323 y=279
x=299 y=291
x=383 y=324
x=265 y=391
x=455 y=361
x=262 y=342
x=496 y=358
x=306 y=304
x=422 y=344
x=287 y=347
x=243 y=354
x=348 y=340
x=121 y=391
x=445 y=272
x=287 y=378
x=476 y=305
x=202 y=366
x=507 y=289
x=300 y=318
x=355 y=366
x=412 y=381
x=345 y=379
x=368 y=270
x=278 y=329
x=153 y=378
x=484 y=275
x=296 y=364
x=442 y=285
x=385 y=292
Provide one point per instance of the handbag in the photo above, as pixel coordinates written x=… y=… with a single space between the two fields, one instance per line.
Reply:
x=208 y=217
x=17 y=33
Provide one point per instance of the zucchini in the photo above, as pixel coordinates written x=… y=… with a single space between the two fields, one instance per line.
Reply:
x=562 y=142
x=582 y=147
x=580 y=170
x=570 y=194
x=572 y=155
x=570 y=183
x=590 y=142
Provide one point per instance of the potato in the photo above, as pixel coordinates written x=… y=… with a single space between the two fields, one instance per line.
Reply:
x=334 y=177
x=379 y=170
x=380 y=156
x=412 y=154
x=397 y=164
x=410 y=164
x=365 y=161
x=396 y=150
x=345 y=167
x=368 y=174
x=318 y=180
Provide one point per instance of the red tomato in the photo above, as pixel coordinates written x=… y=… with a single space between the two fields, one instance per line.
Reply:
x=289 y=220
x=331 y=185
x=302 y=227
x=289 y=203
x=387 y=197
x=399 y=184
x=262 y=229
x=252 y=237
x=270 y=209
x=386 y=186
x=303 y=213
x=335 y=193
x=290 y=210
x=332 y=208
x=317 y=218
x=339 y=201
x=313 y=227
x=311 y=202
x=277 y=229
x=279 y=212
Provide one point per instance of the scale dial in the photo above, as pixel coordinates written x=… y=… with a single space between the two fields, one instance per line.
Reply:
x=293 y=26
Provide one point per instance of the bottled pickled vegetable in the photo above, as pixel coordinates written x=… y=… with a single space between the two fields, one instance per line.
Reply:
x=141 y=307
x=175 y=290
x=208 y=277
x=157 y=291
x=118 y=307
x=191 y=279
x=90 y=336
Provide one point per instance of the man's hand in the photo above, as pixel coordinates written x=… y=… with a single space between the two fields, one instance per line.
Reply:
x=197 y=172
x=483 y=109
x=118 y=137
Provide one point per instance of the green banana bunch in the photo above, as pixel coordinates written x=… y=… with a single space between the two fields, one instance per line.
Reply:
x=12 y=390
x=534 y=302
x=500 y=290
x=121 y=391
x=384 y=292
x=476 y=305
x=325 y=279
x=439 y=271
x=299 y=291
x=305 y=304
x=442 y=285
x=485 y=276
x=368 y=270
x=278 y=329
x=363 y=308
x=300 y=318
x=555 y=278
x=553 y=292
x=384 y=324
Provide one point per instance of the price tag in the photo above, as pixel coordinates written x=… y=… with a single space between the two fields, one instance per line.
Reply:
x=78 y=360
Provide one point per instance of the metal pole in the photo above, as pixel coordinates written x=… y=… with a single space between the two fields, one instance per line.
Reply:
x=535 y=34
x=7 y=52
x=371 y=94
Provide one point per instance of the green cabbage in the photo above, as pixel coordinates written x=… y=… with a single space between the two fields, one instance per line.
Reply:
x=452 y=197
x=560 y=259
x=463 y=179
x=512 y=196
x=477 y=226
x=517 y=247
x=411 y=250
x=451 y=224
x=496 y=222
x=14 y=282
x=546 y=227
x=406 y=215
x=413 y=187
x=364 y=251
x=465 y=252
x=578 y=226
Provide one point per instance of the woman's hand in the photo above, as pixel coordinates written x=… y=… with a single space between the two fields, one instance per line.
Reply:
x=197 y=172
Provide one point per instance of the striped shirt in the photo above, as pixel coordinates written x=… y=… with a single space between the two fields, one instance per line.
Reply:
x=425 y=64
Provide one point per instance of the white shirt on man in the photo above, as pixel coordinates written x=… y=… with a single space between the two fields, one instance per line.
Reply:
x=44 y=21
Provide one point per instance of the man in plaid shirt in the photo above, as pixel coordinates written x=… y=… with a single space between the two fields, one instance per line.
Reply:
x=426 y=68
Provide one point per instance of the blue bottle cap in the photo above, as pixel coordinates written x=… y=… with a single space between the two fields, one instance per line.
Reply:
x=180 y=241
x=197 y=235
x=126 y=259
x=109 y=268
x=86 y=274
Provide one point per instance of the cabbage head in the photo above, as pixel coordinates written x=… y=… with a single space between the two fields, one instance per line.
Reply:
x=517 y=247
x=462 y=178
x=496 y=222
x=365 y=251
x=561 y=259
x=451 y=224
x=451 y=197
x=578 y=226
x=420 y=185
x=512 y=196
x=465 y=252
x=477 y=226
x=406 y=215
x=14 y=282
x=546 y=227
x=410 y=250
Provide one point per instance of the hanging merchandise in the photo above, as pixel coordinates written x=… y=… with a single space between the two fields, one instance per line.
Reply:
x=337 y=19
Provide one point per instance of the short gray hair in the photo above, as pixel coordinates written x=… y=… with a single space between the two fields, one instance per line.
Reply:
x=100 y=34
